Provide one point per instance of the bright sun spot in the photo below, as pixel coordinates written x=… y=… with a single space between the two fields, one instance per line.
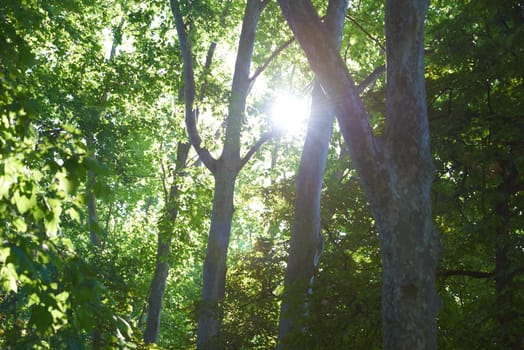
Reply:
x=289 y=113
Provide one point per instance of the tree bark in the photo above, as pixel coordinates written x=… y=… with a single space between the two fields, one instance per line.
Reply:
x=395 y=170
x=214 y=274
x=306 y=237
x=165 y=237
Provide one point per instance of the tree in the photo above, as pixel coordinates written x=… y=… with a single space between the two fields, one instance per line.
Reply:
x=395 y=169
x=226 y=167
x=80 y=130
x=306 y=237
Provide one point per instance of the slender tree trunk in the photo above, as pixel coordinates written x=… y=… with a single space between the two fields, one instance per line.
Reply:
x=157 y=289
x=306 y=237
x=165 y=237
x=395 y=170
x=94 y=231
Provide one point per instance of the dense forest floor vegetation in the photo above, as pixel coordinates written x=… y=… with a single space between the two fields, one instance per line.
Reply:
x=137 y=161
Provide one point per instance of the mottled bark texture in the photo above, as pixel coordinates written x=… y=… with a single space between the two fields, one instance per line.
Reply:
x=306 y=237
x=165 y=237
x=395 y=169
x=224 y=169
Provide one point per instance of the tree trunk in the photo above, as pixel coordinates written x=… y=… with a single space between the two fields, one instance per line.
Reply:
x=214 y=274
x=157 y=289
x=395 y=170
x=165 y=236
x=92 y=214
x=306 y=237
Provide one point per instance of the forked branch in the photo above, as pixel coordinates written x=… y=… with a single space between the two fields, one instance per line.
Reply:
x=189 y=88
x=266 y=137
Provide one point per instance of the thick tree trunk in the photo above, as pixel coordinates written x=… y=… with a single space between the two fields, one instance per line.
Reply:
x=395 y=170
x=214 y=274
x=408 y=244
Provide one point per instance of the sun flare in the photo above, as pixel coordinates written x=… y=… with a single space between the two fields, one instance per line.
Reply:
x=289 y=113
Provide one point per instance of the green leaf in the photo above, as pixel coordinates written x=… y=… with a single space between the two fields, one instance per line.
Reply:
x=64 y=183
x=73 y=214
x=20 y=224
x=5 y=184
x=22 y=202
x=4 y=254
x=41 y=318
x=9 y=277
x=33 y=299
x=52 y=225
x=13 y=166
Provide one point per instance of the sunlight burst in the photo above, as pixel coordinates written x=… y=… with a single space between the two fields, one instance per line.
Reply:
x=289 y=113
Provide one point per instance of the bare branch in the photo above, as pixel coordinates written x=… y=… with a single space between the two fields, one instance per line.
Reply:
x=266 y=137
x=377 y=72
x=375 y=40
x=266 y=63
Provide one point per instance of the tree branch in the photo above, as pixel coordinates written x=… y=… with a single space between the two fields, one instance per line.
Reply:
x=189 y=88
x=468 y=273
x=339 y=86
x=375 y=40
x=266 y=137
x=377 y=72
x=266 y=63
x=211 y=52
x=207 y=67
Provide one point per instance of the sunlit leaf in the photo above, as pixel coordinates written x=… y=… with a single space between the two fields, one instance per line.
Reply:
x=5 y=184
x=9 y=277
x=22 y=202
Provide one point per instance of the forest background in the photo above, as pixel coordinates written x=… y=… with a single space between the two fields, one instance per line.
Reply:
x=106 y=210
